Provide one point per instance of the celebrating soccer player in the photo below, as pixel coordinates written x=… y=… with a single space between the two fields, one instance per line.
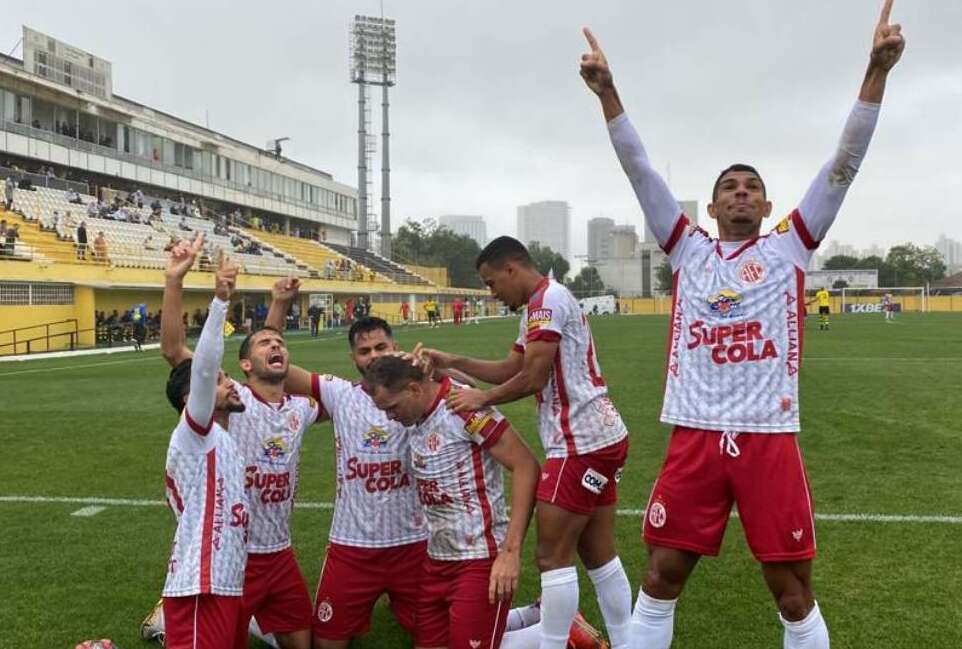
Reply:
x=205 y=490
x=474 y=551
x=584 y=438
x=732 y=370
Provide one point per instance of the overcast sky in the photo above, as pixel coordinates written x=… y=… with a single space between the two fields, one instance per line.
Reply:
x=490 y=113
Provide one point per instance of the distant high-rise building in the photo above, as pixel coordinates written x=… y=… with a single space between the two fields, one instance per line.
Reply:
x=834 y=249
x=598 y=241
x=548 y=223
x=471 y=226
x=689 y=208
x=624 y=241
x=951 y=251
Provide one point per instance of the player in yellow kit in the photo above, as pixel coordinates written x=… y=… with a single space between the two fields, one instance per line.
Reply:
x=824 y=300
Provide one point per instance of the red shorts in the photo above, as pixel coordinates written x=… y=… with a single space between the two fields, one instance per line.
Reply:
x=700 y=480
x=453 y=609
x=204 y=622
x=275 y=593
x=353 y=578
x=581 y=483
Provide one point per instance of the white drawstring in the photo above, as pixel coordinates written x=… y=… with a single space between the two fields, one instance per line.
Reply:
x=726 y=443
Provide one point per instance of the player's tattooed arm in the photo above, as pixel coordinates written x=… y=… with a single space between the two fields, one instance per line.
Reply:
x=173 y=339
x=531 y=377
x=513 y=454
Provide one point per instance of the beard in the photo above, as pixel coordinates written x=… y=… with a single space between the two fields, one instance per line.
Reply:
x=231 y=406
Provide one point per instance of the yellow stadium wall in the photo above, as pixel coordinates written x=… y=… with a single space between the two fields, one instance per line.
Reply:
x=34 y=317
x=436 y=274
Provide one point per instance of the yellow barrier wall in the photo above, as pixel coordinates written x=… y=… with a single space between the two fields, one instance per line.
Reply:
x=15 y=317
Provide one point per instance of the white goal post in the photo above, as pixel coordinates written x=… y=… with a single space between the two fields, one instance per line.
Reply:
x=869 y=300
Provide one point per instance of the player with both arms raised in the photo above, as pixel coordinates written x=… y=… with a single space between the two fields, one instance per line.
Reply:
x=732 y=373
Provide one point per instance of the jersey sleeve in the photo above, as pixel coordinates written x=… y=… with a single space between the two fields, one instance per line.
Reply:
x=205 y=367
x=188 y=441
x=327 y=390
x=815 y=214
x=484 y=427
x=662 y=212
x=522 y=338
x=546 y=318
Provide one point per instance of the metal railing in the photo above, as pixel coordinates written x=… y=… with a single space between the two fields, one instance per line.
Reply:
x=72 y=334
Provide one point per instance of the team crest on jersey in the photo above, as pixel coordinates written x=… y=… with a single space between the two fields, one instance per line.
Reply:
x=419 y=461
x=725 y=303
x=657 y=514
x=783 y=226
x=538 y=318
x=751 y=271
x=375 y=438
x=433 y=442
x=276 y=449
x=293 y=421
x=325 y=611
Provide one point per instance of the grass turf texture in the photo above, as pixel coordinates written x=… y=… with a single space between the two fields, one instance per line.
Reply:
x=882 y=433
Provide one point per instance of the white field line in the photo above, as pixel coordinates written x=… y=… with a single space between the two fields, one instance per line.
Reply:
x=37 y=370
x=89 y=510
x=942 y=519
x=77 y=352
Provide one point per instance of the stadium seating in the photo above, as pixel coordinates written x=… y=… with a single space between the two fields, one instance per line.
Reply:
x=379 y=264
x=311 y=254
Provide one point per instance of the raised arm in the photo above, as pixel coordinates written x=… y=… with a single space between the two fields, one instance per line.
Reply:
x=283 y=294
x=209 y=353
x=173 y=344
x=824 y=197
x=656 y=200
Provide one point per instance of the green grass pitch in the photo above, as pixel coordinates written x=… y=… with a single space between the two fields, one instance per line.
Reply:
x=882 y=434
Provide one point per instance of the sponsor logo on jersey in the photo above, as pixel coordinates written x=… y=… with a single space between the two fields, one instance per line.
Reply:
x=751 y=271
x=725 y=303
x=783 y=226
x=786 y=404
x=735 y=343
x=477 y=422
x=657 y=514
x=276 y=449
x=593 y=481
x=375 y=438
x=274 y=487
x=325 y=611
x=419 y=460
x=378 y=476
x=430 y=494
x=538 y=318
x=793 y=358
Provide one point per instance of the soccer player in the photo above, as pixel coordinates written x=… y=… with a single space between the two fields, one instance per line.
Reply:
x=205 y=490
x=733 y=359
x=824 y=300
x=887 y=307
x=585 y=440
x=474 y=551
x=269 y=433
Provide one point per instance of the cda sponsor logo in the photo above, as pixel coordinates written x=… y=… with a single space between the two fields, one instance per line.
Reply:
x=872 y=308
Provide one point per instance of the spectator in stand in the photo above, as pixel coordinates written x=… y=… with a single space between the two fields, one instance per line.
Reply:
x=74 y=197
x=8 y=186
x=329 y=269
x=13 y=233
x=149 y=243
x=3 y=237
x=122 y=214
x=93 y=209
x=67 y=226
x=156 y=208
x=183 y=224
x=139 y=198
x=323 y=234
x=81 y=238
x=100 y=249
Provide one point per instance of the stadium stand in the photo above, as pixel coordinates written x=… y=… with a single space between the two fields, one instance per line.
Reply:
x=379 y=264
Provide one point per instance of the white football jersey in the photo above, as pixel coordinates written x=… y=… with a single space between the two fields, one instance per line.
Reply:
x=269 y=437
x=735 y=339
x=575 y=415
x=376 y=504
x=459 y=484
x=205 y=490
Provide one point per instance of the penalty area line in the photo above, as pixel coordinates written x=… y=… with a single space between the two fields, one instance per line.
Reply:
x=938 y=519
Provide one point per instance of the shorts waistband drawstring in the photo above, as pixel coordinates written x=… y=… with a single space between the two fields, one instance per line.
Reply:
x=726 y=443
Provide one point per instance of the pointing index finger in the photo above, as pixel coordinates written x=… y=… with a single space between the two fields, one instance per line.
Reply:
x=592 y=41
x=886 y=12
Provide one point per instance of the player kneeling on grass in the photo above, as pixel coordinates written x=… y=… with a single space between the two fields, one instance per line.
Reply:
x=205 y=490
x=473 y=562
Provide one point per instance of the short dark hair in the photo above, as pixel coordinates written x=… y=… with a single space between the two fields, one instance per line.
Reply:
x=365 y=325
x=178 y=384
x=245 y=348
x=391 y=373
x=501 y=250
x=738 y=166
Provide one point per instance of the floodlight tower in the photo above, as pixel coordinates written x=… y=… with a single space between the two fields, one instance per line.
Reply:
x=373 y=63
